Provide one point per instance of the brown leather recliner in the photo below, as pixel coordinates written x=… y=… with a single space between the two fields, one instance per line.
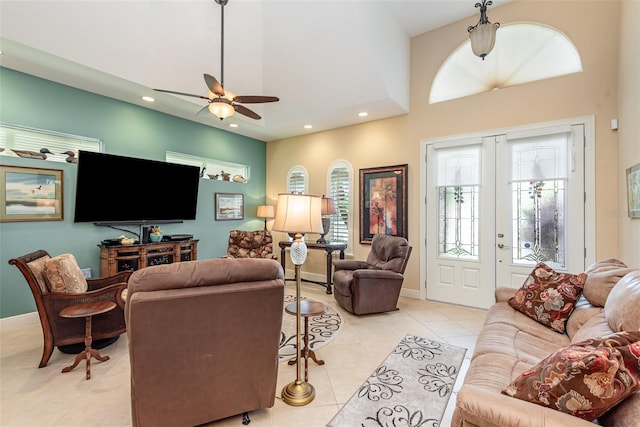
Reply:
x=372 y=286
x=203 y=339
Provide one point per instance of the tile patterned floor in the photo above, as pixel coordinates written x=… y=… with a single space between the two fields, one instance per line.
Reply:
x=45 y=397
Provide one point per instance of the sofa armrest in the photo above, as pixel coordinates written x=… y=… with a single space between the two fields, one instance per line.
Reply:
x=503 y=294
x=477 y=405
x=349 y=264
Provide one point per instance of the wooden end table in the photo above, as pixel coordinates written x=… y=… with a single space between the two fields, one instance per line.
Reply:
x=328 y=247
x=87 y=310
x=307 y=309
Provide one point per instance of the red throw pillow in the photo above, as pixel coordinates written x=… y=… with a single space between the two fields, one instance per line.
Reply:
x=585 y=379
x=548 y=296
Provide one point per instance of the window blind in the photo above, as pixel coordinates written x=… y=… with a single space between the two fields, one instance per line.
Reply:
x=339 y=191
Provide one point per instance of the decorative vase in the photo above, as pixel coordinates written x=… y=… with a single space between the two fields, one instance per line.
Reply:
x=155 y=238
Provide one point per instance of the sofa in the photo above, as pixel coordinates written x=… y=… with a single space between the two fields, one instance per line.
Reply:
x=203 y=339
x=512 y=347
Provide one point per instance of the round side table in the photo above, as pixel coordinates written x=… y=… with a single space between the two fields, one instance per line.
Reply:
x=87 y=310
x=307 y=309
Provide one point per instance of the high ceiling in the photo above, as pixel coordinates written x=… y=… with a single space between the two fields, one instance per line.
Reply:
x=325 y=60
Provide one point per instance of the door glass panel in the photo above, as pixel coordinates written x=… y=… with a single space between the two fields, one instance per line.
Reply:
x=539 y=223
x=458 y=221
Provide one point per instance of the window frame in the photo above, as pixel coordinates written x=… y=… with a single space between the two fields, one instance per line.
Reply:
x=305 y=179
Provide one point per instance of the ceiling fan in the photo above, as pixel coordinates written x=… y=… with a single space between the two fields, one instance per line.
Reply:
x=221 y=103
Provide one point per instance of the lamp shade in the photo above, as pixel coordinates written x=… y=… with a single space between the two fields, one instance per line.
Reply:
x=221 y=108
x=327 y=206
x=298 y=213
x=265 y=211
x=483 y=38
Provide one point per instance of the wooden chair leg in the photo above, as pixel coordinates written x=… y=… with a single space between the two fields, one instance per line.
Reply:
x=47 y=351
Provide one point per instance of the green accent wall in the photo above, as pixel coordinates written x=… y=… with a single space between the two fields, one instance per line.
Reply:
x=127 y=130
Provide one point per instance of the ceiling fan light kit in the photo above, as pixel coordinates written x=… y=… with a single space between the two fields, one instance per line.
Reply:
x=221 y=103
x=483 y=34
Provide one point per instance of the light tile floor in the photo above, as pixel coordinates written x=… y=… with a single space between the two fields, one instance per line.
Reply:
x=46 y=397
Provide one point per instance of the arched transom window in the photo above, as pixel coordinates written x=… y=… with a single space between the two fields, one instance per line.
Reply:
x=524 y=52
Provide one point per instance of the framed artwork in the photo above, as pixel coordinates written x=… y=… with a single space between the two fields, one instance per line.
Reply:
x=383 y=202
x=229 y=206
x=30 y=194
x=633 y=190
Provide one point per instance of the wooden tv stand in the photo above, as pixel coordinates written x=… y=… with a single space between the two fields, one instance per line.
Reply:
x=114 y=259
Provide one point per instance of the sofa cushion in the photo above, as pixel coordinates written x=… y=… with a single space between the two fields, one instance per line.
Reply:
x=63 y=274
x=548 y=296
x=509 y=332
x=601 y=278
x=582 y=313
x=622 y=306
x=585 y=379
x=597 y=326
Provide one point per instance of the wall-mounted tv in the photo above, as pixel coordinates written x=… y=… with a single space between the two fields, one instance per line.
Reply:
x=113 y=189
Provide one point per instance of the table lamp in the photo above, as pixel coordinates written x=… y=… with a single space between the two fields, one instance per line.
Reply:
x=327 y=209
x=265 y=211
x=298 y=214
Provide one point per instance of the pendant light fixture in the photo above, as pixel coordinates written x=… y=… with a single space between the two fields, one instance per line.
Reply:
x=483 y=34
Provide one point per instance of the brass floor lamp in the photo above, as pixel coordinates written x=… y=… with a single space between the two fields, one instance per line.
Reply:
x=298 y=214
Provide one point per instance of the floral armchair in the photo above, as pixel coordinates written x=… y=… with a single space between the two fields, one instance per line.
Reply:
x=250 y=244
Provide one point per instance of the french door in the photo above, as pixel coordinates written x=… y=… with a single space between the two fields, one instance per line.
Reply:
x=497 y=205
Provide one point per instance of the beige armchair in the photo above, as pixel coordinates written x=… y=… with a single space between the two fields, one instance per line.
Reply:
x=203 y=339
x=250 y=244
x=372 y=286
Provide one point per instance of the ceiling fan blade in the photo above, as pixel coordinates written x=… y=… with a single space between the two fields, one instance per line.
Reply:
x=247 y=112
x=182 y=93
x=203 y=111
x=255 y=99
x=213 y=85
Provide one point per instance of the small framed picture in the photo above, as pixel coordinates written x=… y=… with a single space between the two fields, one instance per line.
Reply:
x=30 y=194
x=229 y=206
x=633 y=190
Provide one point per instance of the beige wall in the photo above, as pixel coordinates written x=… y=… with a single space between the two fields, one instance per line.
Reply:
x=397 y=140
x=629 y=126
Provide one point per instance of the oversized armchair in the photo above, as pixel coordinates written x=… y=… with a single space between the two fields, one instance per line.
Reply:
x=372 y=286
x=250 y=244
x=203 y=340
x=57 y=283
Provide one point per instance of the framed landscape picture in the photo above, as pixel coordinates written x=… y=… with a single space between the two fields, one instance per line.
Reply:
x=229 y=206
x=633 y=190
x=383 y=202
x=30 y=194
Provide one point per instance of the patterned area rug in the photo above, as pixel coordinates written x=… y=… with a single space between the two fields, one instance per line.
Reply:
x=322 y=330
x=410 y=388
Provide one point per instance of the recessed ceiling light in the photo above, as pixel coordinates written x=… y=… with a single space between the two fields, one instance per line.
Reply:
x=363 y=114
x=307 y=126
x=148 y=99
x=233 y=125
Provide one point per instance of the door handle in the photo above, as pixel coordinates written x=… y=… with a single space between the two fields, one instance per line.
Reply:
x=502 y=246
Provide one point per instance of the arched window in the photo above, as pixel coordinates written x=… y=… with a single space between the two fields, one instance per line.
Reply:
x=340 y=189
x=297 y=180
x=524 y=52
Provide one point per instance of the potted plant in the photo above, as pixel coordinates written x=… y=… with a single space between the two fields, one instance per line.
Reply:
x=155 y=235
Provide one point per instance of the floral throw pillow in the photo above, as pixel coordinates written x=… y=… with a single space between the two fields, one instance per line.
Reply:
x=548 y=296
x=585 y=379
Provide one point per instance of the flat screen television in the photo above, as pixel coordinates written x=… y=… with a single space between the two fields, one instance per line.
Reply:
x=113 y=189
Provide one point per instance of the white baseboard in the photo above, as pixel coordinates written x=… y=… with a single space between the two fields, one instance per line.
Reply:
x=19 y=320
x=410 y=293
